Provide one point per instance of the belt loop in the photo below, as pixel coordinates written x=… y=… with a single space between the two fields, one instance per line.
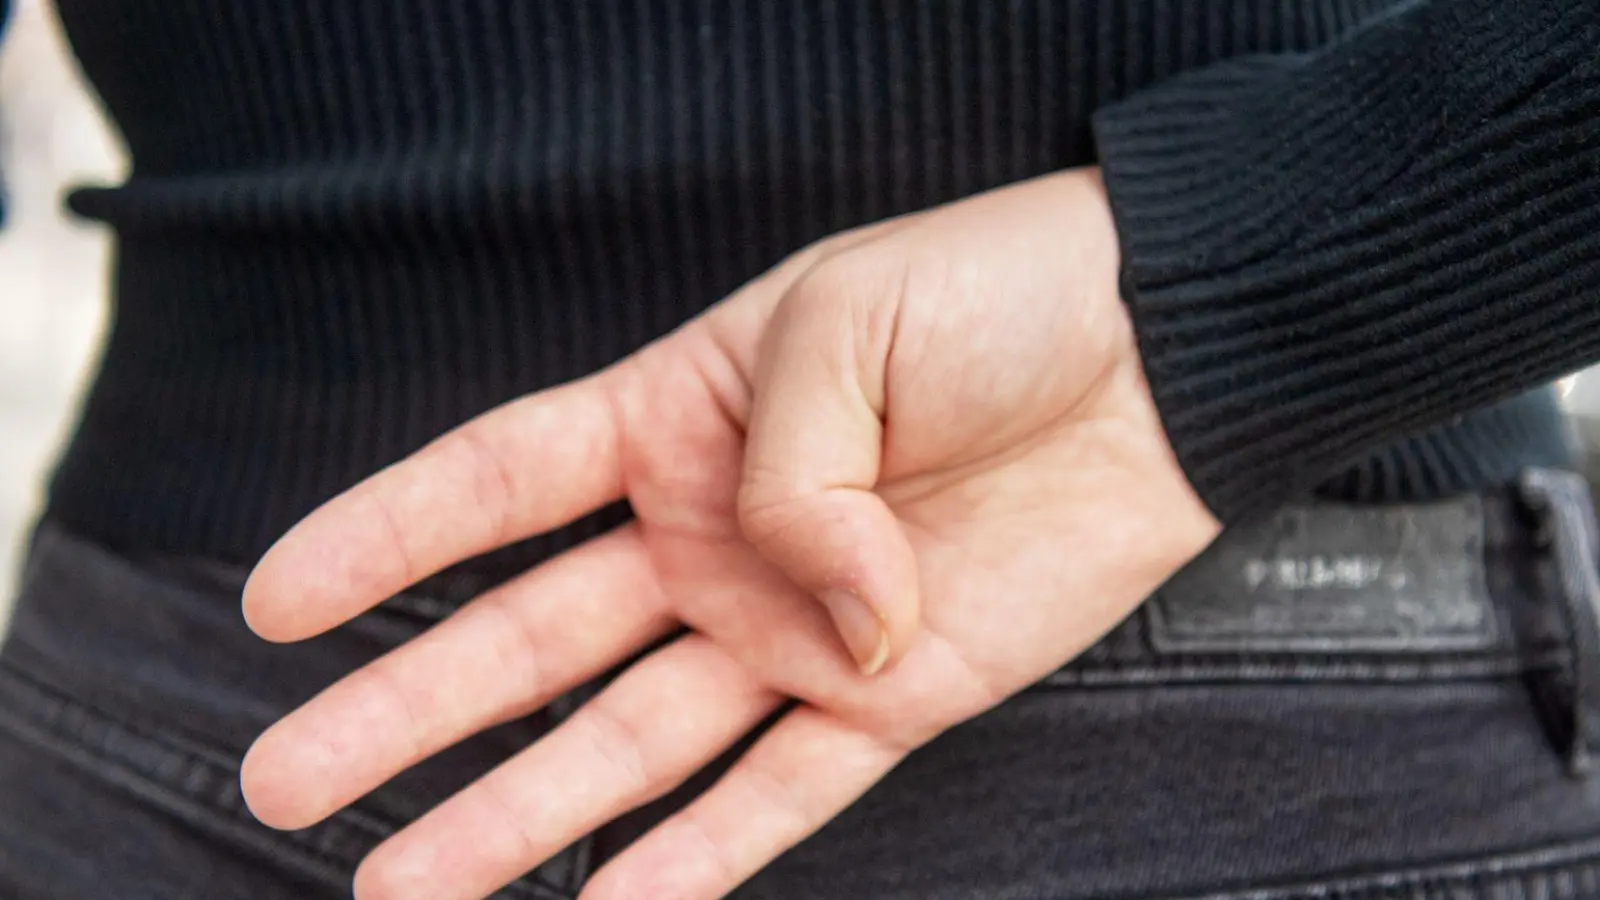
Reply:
x=1566 y=515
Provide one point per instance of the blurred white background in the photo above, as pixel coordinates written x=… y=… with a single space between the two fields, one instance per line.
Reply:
x=53 y=271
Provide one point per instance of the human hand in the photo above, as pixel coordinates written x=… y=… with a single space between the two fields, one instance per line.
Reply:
x=902 y=476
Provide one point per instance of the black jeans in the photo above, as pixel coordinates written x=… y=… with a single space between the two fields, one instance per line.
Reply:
x=1340 y=703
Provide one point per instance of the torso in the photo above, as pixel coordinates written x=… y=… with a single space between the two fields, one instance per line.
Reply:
x=352 y=225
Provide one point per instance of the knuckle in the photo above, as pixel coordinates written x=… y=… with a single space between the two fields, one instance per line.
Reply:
x=844 y=280
x=392 y=693
x=395 y=534
x=520 y=652
x=493 y=487
x=698 y=837
x=861 y=293
x=616 y=744
x=501 y=806
x=768 y=509
x=779 y=799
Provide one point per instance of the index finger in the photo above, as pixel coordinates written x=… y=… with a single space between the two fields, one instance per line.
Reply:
x=524 y=468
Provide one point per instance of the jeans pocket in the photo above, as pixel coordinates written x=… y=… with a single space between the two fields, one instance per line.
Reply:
x=198 y=785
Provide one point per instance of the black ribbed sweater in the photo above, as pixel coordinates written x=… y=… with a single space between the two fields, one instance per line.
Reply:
x=349 y=226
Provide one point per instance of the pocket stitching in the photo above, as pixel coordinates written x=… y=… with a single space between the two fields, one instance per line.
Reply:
x=323 y=850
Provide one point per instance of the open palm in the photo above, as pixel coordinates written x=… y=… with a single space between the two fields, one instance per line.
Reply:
x=899 y=478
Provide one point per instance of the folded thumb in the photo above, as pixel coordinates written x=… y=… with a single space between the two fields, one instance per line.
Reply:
x=812 y=456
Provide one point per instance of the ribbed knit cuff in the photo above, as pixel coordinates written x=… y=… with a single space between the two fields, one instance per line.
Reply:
x=1322 y=253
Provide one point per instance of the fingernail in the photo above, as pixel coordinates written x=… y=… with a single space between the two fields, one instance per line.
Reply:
x=861 y=628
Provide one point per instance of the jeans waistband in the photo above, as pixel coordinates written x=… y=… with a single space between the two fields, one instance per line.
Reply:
x=1468 y=587
x=1472 y=588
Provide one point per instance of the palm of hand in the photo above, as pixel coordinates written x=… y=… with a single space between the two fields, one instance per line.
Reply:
x=942 y=413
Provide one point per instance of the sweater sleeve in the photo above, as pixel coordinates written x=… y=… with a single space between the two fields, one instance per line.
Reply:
x=1323 y=252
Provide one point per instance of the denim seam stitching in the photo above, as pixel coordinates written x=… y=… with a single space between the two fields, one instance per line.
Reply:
x=1529 y=867
x=1112 y=675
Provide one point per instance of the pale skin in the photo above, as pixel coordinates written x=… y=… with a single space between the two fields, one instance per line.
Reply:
x=942 y=416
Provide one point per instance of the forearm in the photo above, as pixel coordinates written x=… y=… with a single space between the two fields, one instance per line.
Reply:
x=1322 y=253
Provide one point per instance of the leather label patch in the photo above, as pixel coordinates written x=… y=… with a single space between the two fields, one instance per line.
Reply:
x=1335 y=579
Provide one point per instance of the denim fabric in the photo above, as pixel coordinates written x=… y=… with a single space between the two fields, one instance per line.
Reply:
x=1415 y=740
